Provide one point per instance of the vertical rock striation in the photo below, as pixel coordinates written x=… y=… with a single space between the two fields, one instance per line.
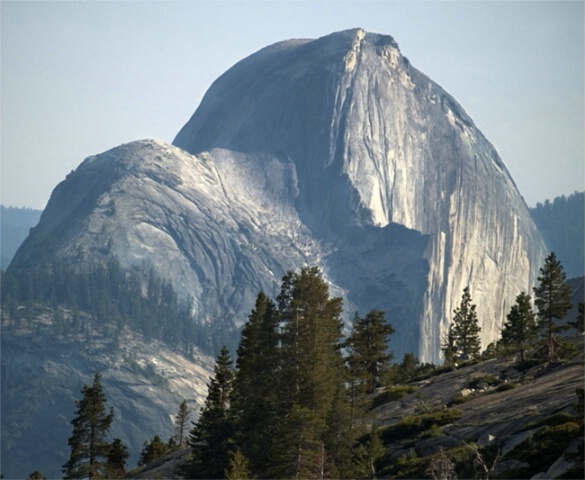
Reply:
x=376 y=143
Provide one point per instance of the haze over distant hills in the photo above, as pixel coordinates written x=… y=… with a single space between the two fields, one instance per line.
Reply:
x=561 y=224
x=15 y=224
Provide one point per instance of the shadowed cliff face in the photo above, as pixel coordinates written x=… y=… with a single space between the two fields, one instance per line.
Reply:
x=333 y=152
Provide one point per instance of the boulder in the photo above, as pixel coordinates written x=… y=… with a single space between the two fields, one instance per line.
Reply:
x=485 y=440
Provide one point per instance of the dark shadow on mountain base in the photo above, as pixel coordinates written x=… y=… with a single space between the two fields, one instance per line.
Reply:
x=385 y=269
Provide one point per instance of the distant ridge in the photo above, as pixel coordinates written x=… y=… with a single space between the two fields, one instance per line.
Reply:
x=15 y=223
x=561 y=223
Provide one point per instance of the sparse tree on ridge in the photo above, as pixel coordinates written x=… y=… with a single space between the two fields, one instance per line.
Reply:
x=117 y=456
x=408 y=368
x=553 y=301
x=448 y=348
x=368 y=344
x=520 y=330
x=36 y=475
x=181 y=423
x=152 y=450
x=89 y=448
x=466 y=327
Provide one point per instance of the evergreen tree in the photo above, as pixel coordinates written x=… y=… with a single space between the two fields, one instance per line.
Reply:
x=312 y=373
x=553 y=302
x=239 y=467
x=152 y=450
x=181 y=423
x=369 y=451
x=172 y=445
x=117 y=457
x=369 y=356
x=341 y=432
x=520 y=330
x=256 y=406
x=211 y=438
x=311 y=339
x=448 y=348
x=36 y=475
x=299 y=451
x=89 y=449
x=408 y=368
x=466 y=327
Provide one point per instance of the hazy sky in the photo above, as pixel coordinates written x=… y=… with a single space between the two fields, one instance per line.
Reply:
x=79 y=78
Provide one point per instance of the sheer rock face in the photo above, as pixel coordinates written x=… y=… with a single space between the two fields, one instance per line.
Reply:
x=333 y=152
x=376 y=143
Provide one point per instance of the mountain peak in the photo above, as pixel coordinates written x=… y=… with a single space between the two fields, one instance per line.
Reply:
x=333 y=152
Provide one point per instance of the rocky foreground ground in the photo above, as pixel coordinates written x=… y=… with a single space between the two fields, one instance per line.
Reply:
x=499 y=418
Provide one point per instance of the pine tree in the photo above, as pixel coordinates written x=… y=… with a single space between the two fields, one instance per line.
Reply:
x=181 y=423
x=256 y=406
x=239 y=467
x=211 y=438
x=312 y=367
x=342 y=432
x=368 y=452
x=520 y=330
x=172 y=445
x=466 y=327
x=311 y=339
x=89 y=449
x=408 y=367
x=117 y=456
x=36 y=475
x=368 y=343
x=152 y=450
x=553 y=302
x=299 y=451
x=448 y=348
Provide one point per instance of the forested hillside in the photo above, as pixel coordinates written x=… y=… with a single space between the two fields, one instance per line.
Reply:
x=15 y=224
x=114 y=299
x=305 y=401
x=561 y=224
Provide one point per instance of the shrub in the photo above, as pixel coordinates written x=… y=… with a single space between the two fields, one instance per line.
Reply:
x=527 y=364
x=407 y=466
x=459 y=400
x=434 y=431
x=504 y=387
x=489 y=379
x=552 y=421
x=411 y=427
x=432 y=371
x=546 y=446
x=393 y=394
